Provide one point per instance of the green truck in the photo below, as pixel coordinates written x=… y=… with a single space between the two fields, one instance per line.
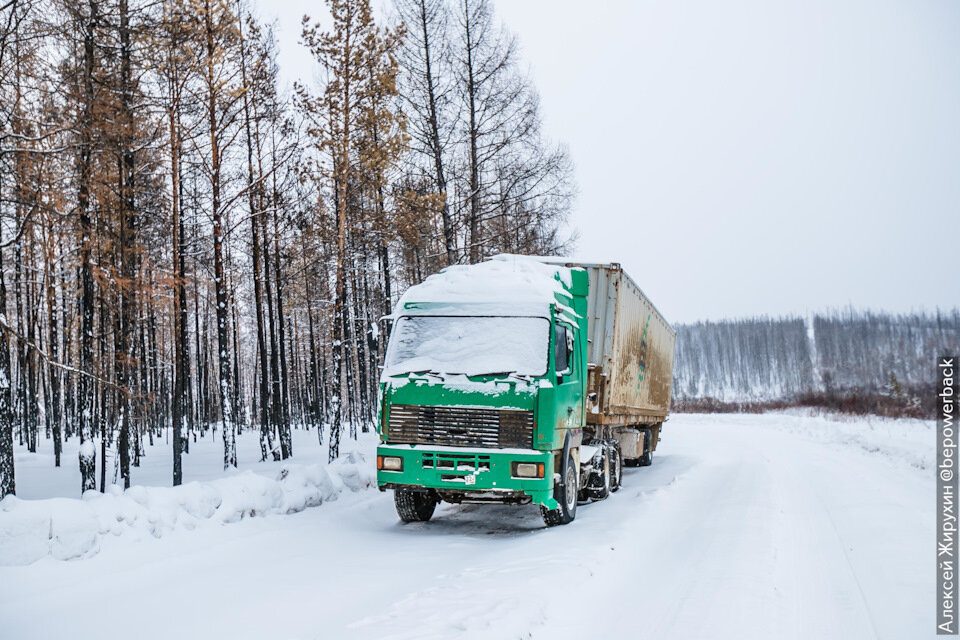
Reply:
x=521 y=380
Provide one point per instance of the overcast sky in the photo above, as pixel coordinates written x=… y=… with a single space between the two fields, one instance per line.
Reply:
x=749 y=157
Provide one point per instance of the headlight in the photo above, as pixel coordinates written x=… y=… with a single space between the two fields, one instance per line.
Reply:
x=389 y=463
x=528 y=469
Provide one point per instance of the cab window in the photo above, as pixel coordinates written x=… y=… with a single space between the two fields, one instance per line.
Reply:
x=562 y=348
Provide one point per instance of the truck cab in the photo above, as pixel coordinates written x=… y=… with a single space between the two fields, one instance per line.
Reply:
x=483 y=388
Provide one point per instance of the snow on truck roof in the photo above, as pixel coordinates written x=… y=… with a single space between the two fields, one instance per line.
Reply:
x=503 y=279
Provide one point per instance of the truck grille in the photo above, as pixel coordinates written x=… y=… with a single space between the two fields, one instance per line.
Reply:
x=459 y=426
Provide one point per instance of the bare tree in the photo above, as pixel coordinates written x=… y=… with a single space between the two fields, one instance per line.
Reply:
x=425 y=57
x=220 y=85
x=138 y=136
x=358 y=56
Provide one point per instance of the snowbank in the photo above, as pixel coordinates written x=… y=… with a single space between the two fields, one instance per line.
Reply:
x=900 y=441
x=67 y=528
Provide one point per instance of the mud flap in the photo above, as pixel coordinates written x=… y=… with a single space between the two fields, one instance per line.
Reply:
x=573 y=439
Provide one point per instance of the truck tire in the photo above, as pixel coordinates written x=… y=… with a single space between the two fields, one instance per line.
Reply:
x=616 y=468
x=414 y=506
x=647 y=458
x=565 y=494
x=598 y=485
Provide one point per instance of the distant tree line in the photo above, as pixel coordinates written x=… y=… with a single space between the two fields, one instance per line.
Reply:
x=844 y=358
x=185 y=247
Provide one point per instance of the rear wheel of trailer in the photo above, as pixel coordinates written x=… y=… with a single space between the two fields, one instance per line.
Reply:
x=647 y=458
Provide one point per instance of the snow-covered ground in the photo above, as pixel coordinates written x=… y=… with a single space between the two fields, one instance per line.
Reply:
x=783 y=525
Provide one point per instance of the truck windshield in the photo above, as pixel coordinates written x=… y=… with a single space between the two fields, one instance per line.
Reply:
x=468 y=345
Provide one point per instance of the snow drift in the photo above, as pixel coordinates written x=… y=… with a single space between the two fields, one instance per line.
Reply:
x=67 y=528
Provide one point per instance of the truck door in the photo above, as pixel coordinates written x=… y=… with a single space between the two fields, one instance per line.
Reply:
x=569 y=379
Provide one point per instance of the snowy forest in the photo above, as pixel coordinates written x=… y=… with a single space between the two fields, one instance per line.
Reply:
x=820 y=359
x=187 y=247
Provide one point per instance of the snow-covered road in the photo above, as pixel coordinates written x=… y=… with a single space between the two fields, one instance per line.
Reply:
x=770 y=526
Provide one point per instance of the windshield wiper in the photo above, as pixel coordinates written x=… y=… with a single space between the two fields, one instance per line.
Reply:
x=442 y=377
x=506 y=374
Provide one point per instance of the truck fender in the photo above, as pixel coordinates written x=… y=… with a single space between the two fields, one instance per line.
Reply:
x=572 y=440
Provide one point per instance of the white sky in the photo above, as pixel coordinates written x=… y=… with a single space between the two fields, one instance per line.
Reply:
x=749 y=157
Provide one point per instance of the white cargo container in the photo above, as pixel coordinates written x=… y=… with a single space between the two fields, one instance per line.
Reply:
x=630 y=360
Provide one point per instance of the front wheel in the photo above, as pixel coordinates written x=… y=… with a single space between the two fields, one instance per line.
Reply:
x=414 y=506
x=565 y=494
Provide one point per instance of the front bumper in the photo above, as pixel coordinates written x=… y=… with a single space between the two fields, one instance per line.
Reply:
x=466 y=473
